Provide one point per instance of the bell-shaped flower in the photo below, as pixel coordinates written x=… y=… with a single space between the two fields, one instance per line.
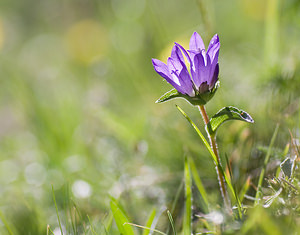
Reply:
x=199 y=83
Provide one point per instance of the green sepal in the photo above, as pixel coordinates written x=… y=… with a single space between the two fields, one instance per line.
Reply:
x=226 y=114
x=198 y=99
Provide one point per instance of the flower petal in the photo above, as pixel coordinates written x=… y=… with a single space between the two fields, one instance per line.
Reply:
x=213 y=41
x=175 y=54
x=178 y=70
x=163 y=70
x=184 y=52
x=203 y=87
x=200 y=73
x=214 y=51
x=196 y=42
x=181 y=75
x=214 y=77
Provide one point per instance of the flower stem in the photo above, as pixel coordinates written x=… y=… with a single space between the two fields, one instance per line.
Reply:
x=214 y=147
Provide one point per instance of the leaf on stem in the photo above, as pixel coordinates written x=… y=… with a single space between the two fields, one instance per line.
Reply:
x=168 y=96
x=226 y=114
x=195 y=100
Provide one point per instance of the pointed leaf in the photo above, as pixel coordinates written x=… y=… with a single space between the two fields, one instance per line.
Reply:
x=150 y=223
x=169 y=95
x=120 y=218
x=171 y=222
x=226 y=114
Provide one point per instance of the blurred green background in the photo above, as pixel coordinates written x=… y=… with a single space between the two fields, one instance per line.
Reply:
x=78 y=91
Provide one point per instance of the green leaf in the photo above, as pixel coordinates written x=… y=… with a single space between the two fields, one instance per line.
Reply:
x=187 y=220
x=172 y=222
x=120 y=218
x=226 y=114
x=244 y=189
x=169 y=95
x=150 y=222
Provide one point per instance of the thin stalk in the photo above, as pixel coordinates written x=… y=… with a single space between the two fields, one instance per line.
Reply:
x=2 y=218
x=61 y=230
x=214 y=147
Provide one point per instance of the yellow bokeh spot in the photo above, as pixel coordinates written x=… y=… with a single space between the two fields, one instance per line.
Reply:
x=86 y=41
x=254 y=9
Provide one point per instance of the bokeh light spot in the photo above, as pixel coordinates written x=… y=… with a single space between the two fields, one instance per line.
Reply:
x=81 y=189
x=86 y=41
x=35 y=174
x=9 y=171
x=254 y=9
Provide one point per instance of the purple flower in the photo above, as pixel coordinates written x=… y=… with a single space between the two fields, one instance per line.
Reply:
x=199 y=81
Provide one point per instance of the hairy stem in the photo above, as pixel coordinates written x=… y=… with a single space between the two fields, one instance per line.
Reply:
x=214 y=147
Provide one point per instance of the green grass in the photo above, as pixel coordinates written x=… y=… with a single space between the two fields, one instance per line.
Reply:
x=77 y=111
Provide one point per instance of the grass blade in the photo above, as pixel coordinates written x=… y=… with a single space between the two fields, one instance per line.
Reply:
x=187 y=220
x=150 y=222
x=60 y=227
x=244 y=189
x=176 y=200
x=146 y=228
x=49 y=230
x=107 y=222
x=262 y=173
x=171 y=222
x=199 y=185
x=120 y=218
x=2 y=218
x=91 y=226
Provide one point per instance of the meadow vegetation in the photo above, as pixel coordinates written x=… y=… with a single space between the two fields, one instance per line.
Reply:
x=84 y=148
